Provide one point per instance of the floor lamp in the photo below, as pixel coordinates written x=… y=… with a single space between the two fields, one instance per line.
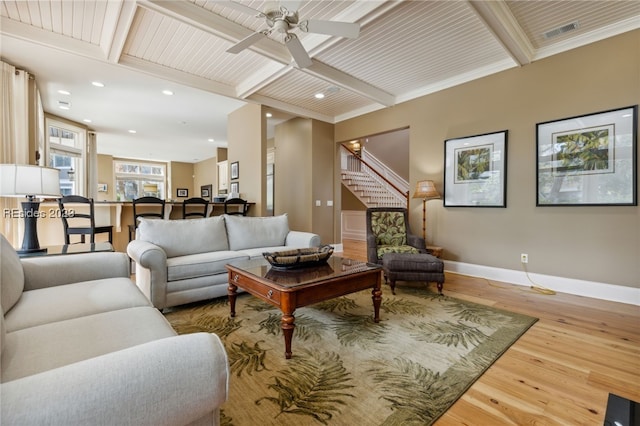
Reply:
x=22 y=180
x=426 y=190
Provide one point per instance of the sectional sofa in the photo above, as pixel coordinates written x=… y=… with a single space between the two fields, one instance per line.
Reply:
x=81 y=345
x=183 y=261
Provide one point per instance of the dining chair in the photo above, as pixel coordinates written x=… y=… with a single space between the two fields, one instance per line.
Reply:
x=76 y=222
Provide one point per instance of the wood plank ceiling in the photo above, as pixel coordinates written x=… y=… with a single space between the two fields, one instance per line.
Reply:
x=406 y=49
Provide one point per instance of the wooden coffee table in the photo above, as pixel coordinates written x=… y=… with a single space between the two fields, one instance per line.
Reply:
x=291 y=289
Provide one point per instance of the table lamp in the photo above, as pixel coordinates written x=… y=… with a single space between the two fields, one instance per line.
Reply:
x=23 y=180
x=426 y=190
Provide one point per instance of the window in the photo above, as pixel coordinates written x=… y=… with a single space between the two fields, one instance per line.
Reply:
x=67 y=154
x=137 y=179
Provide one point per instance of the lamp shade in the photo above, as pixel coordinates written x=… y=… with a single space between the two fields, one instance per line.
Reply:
x=426 y=190
x=19 y=180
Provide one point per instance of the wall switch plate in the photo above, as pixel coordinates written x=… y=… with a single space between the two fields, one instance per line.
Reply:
x=329 y=203
x=318 y=203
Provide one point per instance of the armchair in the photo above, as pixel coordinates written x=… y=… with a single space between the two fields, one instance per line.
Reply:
x=388 y=232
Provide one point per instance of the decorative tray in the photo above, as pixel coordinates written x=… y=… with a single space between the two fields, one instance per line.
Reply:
x=299 y=258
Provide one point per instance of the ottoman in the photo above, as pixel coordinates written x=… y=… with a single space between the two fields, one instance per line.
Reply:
x=413 y=267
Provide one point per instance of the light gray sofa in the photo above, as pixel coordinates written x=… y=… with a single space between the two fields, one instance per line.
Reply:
x=81 y=345
x=183 y=261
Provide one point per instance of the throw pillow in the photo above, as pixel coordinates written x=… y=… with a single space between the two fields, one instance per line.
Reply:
x=245 y=232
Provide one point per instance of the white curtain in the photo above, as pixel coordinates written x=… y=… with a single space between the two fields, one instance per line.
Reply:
x=14 y=140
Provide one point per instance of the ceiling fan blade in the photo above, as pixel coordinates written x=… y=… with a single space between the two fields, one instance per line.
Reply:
x=246 y=42
x=242 y=8
x=298 y=51
x=334 y=28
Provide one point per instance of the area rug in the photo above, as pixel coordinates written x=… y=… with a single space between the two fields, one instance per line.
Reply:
x=408 y=369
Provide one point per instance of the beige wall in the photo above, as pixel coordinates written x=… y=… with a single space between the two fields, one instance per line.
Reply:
x=105 y=175
x=248 y=145
x=206 y=173
x=292 y=177
x=323 y=175
x=181 y=176
x=600 y=244
x=304 y=173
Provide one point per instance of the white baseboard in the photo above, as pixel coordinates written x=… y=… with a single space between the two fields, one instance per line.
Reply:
x=614 y=293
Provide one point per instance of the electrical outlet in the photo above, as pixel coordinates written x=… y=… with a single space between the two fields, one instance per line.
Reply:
x=524 y=258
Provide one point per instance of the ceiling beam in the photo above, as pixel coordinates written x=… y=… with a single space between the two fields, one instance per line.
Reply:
x=291 y=109
x=177 y=76
x=117 y=26
x=46 y=38
x=348 y=82
x=500 y=21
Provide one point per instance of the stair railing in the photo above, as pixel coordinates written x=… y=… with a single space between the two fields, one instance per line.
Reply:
x=351 y=161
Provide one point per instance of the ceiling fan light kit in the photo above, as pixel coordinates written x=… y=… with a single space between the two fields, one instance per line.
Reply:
x=283 y=19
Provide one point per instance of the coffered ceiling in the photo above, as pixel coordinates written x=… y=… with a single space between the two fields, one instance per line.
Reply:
x=405 y=49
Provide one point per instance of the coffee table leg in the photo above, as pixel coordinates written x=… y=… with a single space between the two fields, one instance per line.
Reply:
x=288 y=325
x=376 y=295
x=232 y=289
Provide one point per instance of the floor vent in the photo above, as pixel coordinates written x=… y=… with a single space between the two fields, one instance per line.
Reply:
x=561 y=30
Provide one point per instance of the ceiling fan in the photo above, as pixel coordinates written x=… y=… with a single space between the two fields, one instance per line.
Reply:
x=282 y=17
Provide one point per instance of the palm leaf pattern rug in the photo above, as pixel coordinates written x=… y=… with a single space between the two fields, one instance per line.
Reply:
x=345 y=370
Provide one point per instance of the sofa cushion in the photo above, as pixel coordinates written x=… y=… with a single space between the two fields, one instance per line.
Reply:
x=200 y=265
x=60 y=303
x=48 y=346
x=183 y=237
x=11 y=275
x=251 y=232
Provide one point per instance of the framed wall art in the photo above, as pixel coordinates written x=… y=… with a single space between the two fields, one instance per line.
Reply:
x=235 y=170
x=182 y=192
x=475 y=171
x=205 y=191
x=235 y=188
x=588 y=160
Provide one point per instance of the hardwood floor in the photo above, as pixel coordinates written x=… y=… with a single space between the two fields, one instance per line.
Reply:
x=561 y=371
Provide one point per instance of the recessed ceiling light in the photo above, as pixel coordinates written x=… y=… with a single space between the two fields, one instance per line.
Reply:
x=319 y=95
x=64 y=92
x=211 y=140
x=269 y=115
x=87 y=120
x=132 y=131
x=65 y=107
x=167 y=92
x=97 y=84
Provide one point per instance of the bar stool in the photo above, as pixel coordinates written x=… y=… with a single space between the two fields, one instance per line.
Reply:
x=152 y=207
x=238 y=206
x=194 y=207
x=71 y=217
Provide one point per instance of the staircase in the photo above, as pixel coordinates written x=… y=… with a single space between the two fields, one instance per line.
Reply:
x=371 y=183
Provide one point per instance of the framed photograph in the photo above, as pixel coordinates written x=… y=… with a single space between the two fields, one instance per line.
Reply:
x=588 y=160
x=235 y=170
x=475 y=171
x=182 y=192
x=235 y=187
x=205 y=192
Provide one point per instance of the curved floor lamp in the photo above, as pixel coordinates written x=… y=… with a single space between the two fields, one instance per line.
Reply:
x=426 y=190
x=23 y=180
